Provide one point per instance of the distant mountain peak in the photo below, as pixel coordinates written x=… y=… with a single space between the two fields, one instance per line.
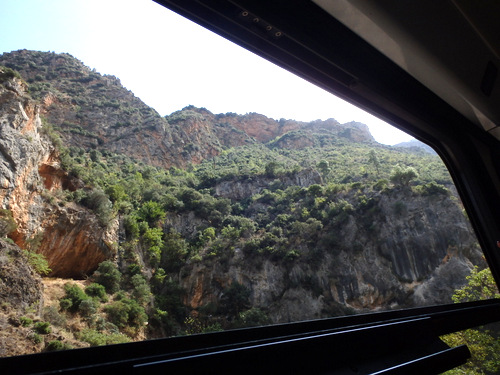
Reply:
x=417 y=145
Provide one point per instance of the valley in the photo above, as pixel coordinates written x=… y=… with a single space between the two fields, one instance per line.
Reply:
x=195 y=222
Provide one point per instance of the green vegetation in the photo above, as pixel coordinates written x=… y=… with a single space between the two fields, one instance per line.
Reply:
x=109 y=319
x=42 y=328
x=483 y=343
x=96 y=338
x=283 y=222
x=38 y=262
x=108 y=275
x=8 y=73
x=25 y=321
x=298 y=196
x=7 y=223
x=57 y=345
x=97 y=290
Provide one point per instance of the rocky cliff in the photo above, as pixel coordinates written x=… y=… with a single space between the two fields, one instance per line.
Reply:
x=32 y=178
x=372 y=261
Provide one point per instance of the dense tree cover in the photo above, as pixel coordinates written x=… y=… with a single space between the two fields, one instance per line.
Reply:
x=338 y=161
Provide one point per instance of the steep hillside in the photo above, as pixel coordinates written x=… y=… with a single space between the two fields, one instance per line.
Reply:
x=97 y=112
x=198 y=221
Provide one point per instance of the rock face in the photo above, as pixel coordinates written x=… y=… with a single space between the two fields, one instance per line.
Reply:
x=30 y=175
x=21 y=151
x=238 y=190
x=20 y=286
x=74 y=242
x=414 y=258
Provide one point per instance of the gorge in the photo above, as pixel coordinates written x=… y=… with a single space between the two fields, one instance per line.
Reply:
x=197 y=221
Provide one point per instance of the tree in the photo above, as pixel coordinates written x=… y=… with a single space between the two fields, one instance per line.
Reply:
x=141 y=291
x=96 y=290
x=152 y=213
x=235 y=299
x=153 y=237
x=174 y=253
x=403 y=176
x=324 y=168
x=98 y=202
x=126 y=312
x=373 y=159
x=271 y=169
x=484 y=347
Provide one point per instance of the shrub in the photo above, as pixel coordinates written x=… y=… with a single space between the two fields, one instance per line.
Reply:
x=174 y=252
x=432 y=188
x=252 y=318
x=380 y=185
x=152 y=213
x=95 y=338
x=141 y=291
x=51 y=315
x=42 y=328
x=403 y=176
x=108 y=275
x=25 y=321
x=131 y=226
x=98 y=202
x=153 y=238
x=126 y=312
x=170 y=300
x=117 y=313
x=483 y=343
x=74 y=294
x=55 y=345
x=37 y=339
x=38 y=262
x=8 y=73
x=134 y=269
x=235 y=299
x=65 y=303
x=87 y=307
x=97 y=290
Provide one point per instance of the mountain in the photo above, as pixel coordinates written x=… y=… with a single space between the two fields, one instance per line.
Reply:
x=96 y=112
x=416 y=145
x=197 y=221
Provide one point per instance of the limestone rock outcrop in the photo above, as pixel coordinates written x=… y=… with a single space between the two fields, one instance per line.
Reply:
x=238 y=190
x=30 y=175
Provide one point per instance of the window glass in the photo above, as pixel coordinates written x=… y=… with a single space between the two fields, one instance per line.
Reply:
x=208 y=204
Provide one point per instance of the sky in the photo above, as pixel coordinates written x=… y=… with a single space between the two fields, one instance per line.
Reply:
x=170 y=62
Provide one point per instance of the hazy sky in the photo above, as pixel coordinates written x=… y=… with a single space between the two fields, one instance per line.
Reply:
x=170 y=62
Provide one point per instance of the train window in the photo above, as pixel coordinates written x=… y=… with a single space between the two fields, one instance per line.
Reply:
x=160 y=218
